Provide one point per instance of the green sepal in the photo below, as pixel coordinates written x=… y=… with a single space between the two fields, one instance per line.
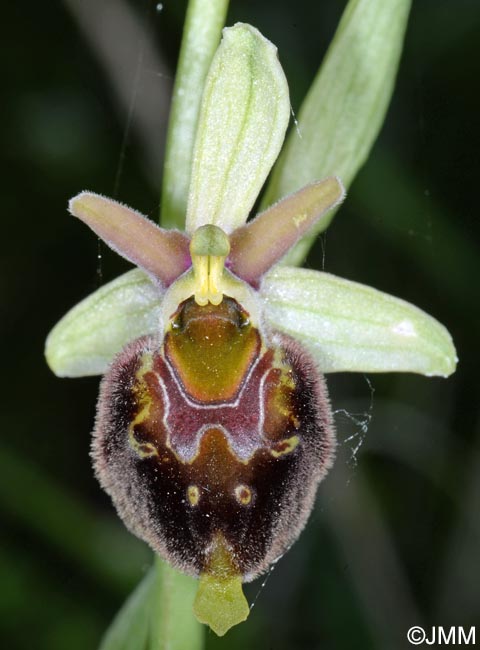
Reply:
x=244 y=114
x=87 y=338
x=351 y=327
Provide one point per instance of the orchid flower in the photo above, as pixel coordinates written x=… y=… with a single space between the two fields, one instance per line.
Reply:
x=194 y=323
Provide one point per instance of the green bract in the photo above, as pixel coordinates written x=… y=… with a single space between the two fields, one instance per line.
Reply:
x=346 y=104
x=240 y=125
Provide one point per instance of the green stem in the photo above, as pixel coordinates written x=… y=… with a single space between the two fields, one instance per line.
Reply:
x=174 y=626
x=201 y=35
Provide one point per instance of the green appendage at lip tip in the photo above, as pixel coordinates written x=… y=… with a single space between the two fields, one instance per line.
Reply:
x=220 y=602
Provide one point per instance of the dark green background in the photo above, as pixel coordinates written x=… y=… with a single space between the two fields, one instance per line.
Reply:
x=394 y=539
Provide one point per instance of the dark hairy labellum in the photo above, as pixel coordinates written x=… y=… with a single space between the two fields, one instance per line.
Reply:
x=212 y=441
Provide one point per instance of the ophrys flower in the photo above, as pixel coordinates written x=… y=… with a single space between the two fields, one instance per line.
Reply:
x=214 y=426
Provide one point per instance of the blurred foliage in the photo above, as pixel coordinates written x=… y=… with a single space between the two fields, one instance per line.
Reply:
x=394 y=539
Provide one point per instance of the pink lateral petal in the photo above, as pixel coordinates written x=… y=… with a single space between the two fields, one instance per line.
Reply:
x=261 y=243
x=161 y=253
